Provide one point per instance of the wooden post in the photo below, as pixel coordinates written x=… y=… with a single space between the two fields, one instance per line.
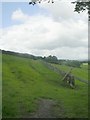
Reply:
x=68 y=78
x=66 y=74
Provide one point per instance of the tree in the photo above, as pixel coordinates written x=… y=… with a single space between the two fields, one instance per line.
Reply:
x=82 y=6
x=51 y=59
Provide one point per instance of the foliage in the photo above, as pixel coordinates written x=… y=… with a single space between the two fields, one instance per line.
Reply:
x=82 y=6
x=51 y=59
x=73 y=63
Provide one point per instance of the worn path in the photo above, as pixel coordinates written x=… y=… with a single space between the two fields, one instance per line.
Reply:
x=45 y=109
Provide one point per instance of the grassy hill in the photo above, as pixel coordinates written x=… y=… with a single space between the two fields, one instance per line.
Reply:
x=25 y=81
x=81 y=72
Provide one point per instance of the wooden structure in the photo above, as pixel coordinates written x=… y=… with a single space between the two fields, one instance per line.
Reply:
x=69 y=78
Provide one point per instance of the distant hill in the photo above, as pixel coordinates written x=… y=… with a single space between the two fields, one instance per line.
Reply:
x=50 y=59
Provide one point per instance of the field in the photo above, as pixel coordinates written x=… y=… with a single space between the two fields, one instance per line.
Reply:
x=25 y=81
x=81 y=72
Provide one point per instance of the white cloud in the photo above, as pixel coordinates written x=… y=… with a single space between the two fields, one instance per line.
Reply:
x=19 y=15
x=64 y=52
x=64 y=10
x=43 y=35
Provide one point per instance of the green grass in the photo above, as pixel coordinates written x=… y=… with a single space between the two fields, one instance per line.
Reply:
x=78 y=72
x=27 y=80
x=84 y=65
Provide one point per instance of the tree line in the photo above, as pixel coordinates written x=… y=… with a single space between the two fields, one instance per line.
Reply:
x=50 y=59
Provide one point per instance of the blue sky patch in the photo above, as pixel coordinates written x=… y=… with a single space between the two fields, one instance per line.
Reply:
x=9 y=7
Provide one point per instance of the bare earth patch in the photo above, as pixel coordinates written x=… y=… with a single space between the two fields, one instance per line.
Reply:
x=45 y=109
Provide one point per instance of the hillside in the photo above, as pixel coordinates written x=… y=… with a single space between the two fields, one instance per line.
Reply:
x=25 y=81
x=81 y=72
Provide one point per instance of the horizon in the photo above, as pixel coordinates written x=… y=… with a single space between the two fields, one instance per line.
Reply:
x=45 y=56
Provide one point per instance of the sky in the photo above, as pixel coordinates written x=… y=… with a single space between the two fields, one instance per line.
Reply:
x=44 y=29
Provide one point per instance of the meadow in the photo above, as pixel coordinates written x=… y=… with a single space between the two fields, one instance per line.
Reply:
x=25 y=81
x=81 y=72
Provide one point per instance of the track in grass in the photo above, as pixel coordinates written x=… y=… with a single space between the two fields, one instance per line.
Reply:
x=45 y=109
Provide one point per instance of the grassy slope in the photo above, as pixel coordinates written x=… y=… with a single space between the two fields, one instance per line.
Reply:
x=79 y=72
x=26 y=80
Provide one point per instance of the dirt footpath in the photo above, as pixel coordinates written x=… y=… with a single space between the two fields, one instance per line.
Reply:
x=45 y=109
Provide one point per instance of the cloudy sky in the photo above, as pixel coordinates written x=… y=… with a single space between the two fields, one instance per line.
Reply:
x=44 y=29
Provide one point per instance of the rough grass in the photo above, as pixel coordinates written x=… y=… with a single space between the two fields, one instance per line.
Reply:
x=27 y=80
x=78 y=72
